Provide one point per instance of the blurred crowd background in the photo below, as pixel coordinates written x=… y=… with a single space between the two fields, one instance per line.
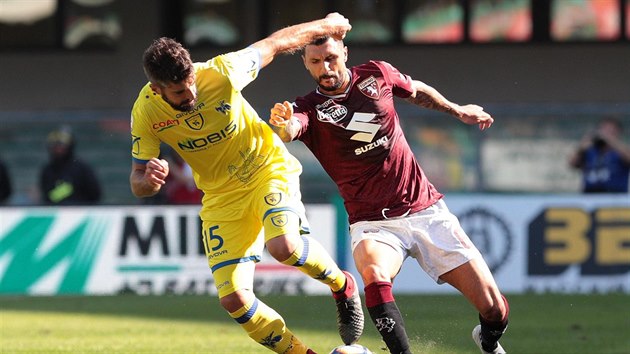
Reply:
x=548 y=71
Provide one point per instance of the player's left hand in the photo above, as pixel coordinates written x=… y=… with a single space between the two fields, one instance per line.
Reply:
x=473 y=114
x=281 y=114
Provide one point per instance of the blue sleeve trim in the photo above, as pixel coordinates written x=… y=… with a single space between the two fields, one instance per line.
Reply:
x=275 y=210
x=259 y=56
x=143 y=162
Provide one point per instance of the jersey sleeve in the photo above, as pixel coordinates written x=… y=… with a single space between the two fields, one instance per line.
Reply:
x=240 y=67
x=402 y=85
x=144 y=144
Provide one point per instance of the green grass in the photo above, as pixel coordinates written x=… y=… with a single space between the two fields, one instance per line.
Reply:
x=197 y=324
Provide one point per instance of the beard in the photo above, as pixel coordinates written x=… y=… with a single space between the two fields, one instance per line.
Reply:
x=185 y=106
x=336 y=83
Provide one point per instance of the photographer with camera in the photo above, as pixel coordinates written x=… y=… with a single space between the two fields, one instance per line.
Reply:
x=604 y=159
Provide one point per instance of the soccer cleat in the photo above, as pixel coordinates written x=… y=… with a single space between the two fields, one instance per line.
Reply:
x=350 y=313
x=476 y=335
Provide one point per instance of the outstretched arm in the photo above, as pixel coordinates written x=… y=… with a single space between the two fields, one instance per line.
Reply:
x=428 y=97
x=293 y=38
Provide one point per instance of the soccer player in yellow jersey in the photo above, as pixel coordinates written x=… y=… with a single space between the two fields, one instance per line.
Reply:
x=249 y=179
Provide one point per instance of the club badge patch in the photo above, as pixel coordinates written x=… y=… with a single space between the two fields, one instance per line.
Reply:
x=195 y=122
x=135 y=142
x=369 y=87
x=279 y=220
x=223 y=107
x=273 y=198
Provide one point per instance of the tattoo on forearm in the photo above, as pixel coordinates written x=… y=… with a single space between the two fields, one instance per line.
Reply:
x=425 y=100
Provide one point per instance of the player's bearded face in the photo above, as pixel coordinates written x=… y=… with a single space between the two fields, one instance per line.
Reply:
x=181 y=96
x=183 y=106
x=327 y=65
x=329 y=81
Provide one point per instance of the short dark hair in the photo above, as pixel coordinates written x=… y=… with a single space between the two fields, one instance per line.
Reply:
x=319 y=40
x=166 y=60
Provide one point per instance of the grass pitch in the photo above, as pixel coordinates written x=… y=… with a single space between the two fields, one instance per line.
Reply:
x=197 y=324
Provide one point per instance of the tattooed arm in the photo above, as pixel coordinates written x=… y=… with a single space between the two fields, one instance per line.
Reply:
x=428 y=97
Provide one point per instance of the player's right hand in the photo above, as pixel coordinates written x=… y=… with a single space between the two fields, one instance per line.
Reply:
x=156 y=171
x=281 y=114
x=340 y=25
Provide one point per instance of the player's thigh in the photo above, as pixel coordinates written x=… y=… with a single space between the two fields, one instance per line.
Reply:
x=376 y=261
x=279 y=206
x=377 y=251
x=232 y=249
x=437 y=241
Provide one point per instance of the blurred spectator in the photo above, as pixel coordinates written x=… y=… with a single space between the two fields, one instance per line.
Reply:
x=180 y=184
x=604 y=159
x=5 y=183
x=65 y=179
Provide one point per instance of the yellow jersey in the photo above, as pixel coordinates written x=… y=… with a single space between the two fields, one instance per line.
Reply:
x=229 y=148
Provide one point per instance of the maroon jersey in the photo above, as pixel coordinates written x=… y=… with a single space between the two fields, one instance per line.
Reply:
x=357 y=138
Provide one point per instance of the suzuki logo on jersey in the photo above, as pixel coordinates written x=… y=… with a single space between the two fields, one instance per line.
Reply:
x=369 y=87
x=195 y=122
x=330 y=112
x=365 y=148
x=366 y=130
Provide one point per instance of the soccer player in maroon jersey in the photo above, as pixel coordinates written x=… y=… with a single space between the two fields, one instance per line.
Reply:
x=350 y=124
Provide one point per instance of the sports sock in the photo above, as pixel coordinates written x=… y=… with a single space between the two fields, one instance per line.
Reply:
x=387 y=317
x=491 y=331
x=346 y=291
x=267 y=327
x=313 y=260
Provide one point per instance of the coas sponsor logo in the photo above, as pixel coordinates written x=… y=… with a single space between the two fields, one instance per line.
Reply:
x=163 y=125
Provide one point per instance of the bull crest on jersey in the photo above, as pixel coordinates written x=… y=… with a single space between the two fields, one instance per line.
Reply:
x=195 y=122
x=369 y=87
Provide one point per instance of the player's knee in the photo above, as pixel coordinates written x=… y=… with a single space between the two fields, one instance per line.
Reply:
x=496 y=311
x=235 y=300
x=374 y=273
x=281 y=247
